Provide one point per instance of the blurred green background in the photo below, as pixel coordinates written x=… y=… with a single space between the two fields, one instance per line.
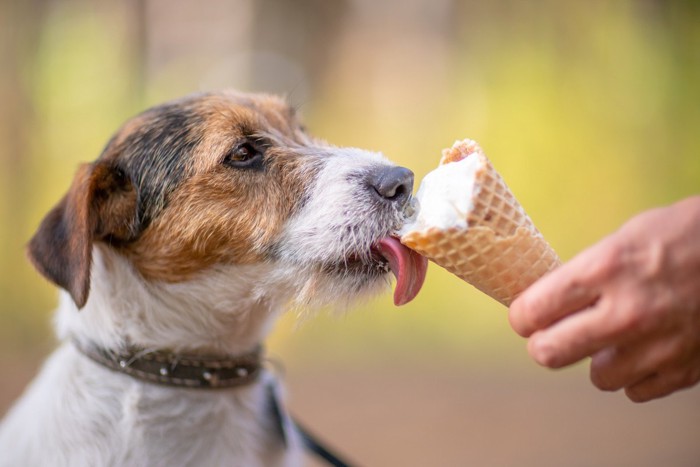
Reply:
x=590 y=111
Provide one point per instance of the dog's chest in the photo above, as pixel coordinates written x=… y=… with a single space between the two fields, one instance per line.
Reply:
x=93 y=416
x=200 y=427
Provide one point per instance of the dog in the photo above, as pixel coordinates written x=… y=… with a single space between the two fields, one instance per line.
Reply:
x=202 y=221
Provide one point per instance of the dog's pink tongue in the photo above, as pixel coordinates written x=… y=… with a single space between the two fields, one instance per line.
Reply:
x=408 y=266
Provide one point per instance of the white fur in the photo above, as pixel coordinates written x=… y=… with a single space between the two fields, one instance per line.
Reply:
x=78 y=413
x=335 y=223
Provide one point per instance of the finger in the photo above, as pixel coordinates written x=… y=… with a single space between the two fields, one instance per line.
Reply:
x=569 y=288
x=576 y=337
x=663 y=383
x=547 y=301
x=624 y=365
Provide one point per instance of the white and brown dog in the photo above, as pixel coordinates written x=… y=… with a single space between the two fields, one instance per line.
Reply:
x=176 y=249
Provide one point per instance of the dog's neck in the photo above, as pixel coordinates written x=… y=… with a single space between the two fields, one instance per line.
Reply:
x=224 y=311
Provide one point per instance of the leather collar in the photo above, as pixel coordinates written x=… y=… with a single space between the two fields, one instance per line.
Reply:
x=171 y=369
x=206 y=373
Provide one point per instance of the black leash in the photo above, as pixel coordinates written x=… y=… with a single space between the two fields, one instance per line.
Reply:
x=315 y=446
x=286 y=423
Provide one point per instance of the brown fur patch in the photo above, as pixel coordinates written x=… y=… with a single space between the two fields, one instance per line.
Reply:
x=162 y=195
x=220 y=214
x=99 y=205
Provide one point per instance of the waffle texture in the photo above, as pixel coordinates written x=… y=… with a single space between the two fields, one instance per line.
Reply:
x=500 y=252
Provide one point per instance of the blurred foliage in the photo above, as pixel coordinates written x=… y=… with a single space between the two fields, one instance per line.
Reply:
x=589 y=110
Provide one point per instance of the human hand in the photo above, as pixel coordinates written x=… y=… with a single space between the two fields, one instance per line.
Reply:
x=631 y=302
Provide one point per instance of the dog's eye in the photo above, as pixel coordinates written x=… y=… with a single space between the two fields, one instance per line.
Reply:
x=242 y=153
x=244 y=156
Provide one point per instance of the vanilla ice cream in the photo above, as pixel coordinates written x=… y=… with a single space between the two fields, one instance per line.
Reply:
x=445 y=196
x=469 y=222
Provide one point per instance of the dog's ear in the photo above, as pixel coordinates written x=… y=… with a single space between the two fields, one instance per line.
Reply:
x=101 y=204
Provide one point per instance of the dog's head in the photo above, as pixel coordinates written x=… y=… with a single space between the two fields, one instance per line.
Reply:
x=233 y=179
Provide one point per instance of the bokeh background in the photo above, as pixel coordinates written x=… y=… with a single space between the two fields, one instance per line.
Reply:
x=590 y=110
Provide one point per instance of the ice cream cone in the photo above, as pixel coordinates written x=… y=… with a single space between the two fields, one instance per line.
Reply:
x=493 y=244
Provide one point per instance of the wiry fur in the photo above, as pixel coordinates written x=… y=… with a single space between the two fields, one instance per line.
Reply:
x=334 y=226
x=206 y=269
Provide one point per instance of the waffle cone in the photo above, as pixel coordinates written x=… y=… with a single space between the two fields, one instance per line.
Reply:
x=500 y=252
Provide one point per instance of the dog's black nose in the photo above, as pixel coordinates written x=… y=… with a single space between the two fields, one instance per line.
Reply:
x=393 y=183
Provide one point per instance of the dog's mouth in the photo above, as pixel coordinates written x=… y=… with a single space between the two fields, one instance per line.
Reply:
x=408 y=266
x=388 y=254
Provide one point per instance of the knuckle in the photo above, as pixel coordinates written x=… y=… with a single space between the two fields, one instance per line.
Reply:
x=630 y=319
x=625 y=320
x=610 y=260
x=654 y=260
x=577 y=288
